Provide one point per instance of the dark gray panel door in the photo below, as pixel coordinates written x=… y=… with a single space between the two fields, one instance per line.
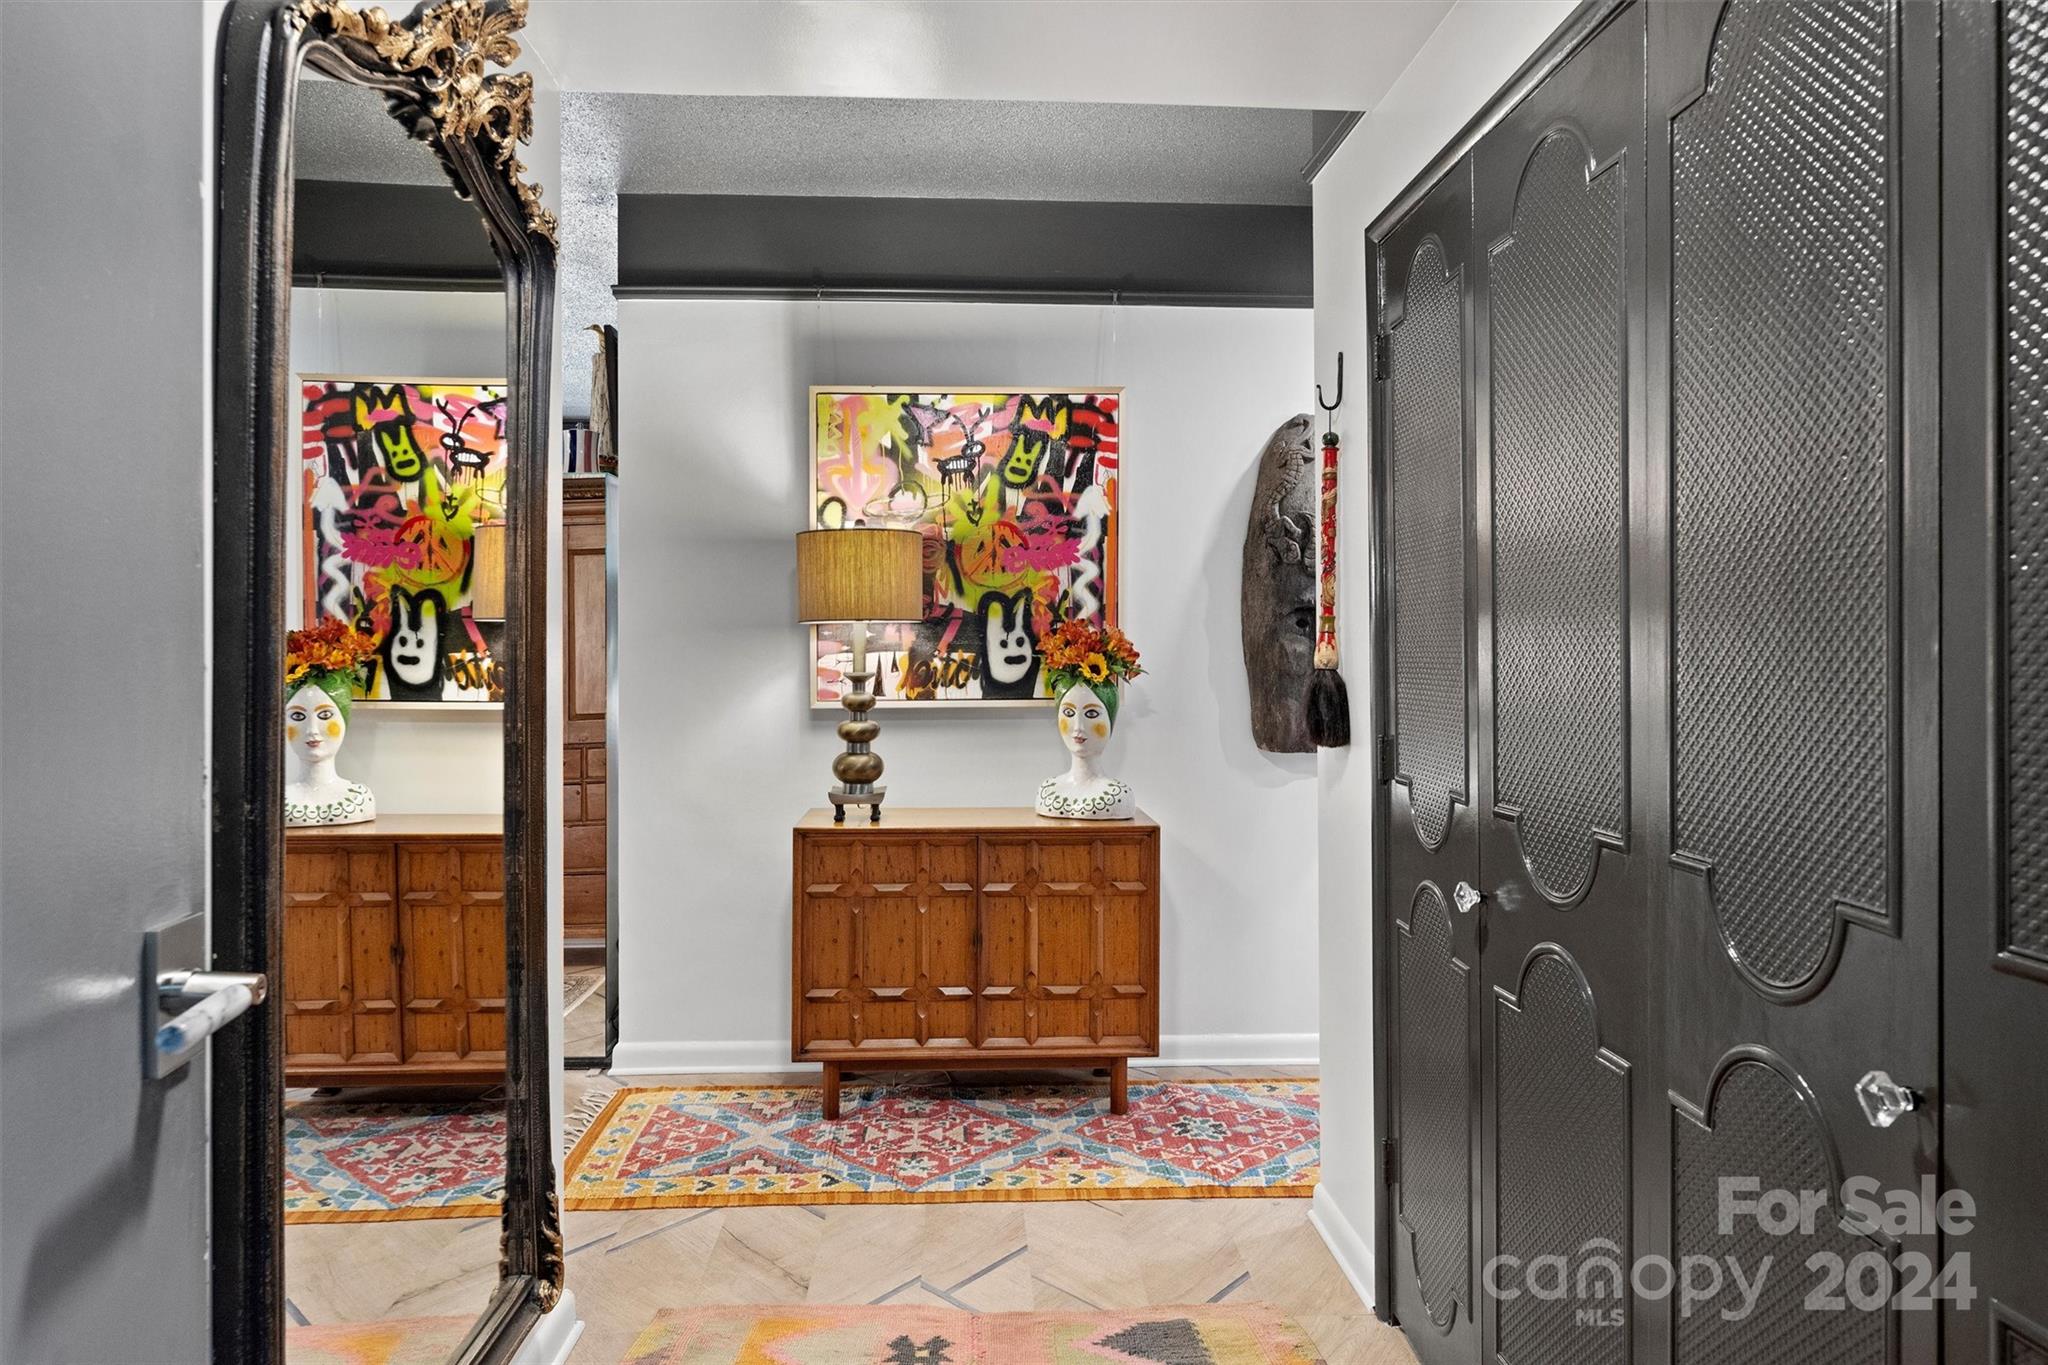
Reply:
x=103 y=741
x=1558 y=188
x=1791 y=183
x=1428 y=830
x=1995 y=670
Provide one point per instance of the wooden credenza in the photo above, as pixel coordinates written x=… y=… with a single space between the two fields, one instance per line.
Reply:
x=394 y=952
x=968 y=938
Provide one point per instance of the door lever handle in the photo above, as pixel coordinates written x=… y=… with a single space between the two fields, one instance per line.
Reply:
x=223 y=997
x=198 y=987
x=186 y=1006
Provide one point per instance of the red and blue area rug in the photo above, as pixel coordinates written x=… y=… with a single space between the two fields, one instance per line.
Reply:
x=1210 y=1334
x=375 y=1163
x=712 y=1146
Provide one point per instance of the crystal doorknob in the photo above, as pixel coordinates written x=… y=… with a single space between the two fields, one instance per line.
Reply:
x=1465 y=897
x=1884 y=1100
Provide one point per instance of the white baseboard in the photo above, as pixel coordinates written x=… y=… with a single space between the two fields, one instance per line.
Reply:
x=553 y=1337
x=772 y=1054
x=1238 y=1049
x=657 y=1059
x=1351 y=1251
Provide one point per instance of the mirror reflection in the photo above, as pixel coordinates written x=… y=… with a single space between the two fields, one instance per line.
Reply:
x=394 y=982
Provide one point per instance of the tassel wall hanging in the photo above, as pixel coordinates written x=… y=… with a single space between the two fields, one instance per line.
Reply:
x=1329 y=704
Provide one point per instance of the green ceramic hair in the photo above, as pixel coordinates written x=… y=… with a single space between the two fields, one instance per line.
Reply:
x=339 y=686
x=1107 y=692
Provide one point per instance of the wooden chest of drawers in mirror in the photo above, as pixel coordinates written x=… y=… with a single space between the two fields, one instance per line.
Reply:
x=585 y=687
x=974 y=937
x=394 y=952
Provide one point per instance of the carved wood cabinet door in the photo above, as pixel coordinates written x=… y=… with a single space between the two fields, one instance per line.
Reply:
x=1069 y=943
x=886 y=943
x=451 y=904
x=341 y=957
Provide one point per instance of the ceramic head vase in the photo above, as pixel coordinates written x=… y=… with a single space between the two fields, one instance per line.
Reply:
x=321 y=664
x=1086 y=665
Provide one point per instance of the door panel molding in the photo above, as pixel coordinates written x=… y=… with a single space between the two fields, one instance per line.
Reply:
x=1786 y=444
x=2022 y=940
x=1431 y=581
x=1435 y=1194
x=1562 y=1178
x=1759 y=1121
x=1558 y=339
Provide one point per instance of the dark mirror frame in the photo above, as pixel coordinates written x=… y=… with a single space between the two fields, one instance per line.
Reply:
x=433 y=68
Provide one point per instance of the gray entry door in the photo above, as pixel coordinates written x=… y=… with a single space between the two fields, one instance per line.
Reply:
x=1994 y=643
x=1567 y=767
x=1792 y=194
x=1430 y=838
x=103 y=615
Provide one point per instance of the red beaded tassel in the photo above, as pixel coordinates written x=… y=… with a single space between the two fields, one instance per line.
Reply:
x=1329 y=704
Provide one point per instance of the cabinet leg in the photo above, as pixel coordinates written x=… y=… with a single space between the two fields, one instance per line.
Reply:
x=1120 y=1086
x=832 y=1092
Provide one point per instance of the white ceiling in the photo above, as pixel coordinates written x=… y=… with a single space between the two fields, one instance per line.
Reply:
x=1298 y=54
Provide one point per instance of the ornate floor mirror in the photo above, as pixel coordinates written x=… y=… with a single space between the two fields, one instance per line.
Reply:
x=438 y=73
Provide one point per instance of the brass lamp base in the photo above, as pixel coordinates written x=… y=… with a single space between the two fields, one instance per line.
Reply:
x=860 y=765
x=841 y=798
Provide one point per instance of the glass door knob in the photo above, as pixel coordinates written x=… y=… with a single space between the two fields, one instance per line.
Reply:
x=1884 y=1100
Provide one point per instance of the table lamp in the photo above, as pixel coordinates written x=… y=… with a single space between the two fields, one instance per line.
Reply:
x=859 y=575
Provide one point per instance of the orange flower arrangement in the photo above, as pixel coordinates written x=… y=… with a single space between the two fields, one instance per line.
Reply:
x=329 y=656
x=1080 y=651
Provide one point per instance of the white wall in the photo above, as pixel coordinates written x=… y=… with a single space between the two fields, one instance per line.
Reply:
x=720 y=751
x=1477 y=47
x=416 y=758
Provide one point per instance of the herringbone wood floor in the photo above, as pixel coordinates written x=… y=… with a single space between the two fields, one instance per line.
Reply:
x=988 y=1258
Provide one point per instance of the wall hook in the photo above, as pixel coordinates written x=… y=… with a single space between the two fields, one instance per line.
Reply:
x=1332 y=407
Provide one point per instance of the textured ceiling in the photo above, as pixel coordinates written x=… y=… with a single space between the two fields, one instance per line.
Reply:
x=343 y=132
x=941 y=149
x=1301 y=54
x=949 y=149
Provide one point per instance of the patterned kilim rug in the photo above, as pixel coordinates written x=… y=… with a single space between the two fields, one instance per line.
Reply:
x=579 y=984
x=378 y=1163
x=887 y=1335
x=401 y=1341
x=665 y=1147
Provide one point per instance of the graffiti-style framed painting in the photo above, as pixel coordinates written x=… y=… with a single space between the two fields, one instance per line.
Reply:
x=403 y=480
x=1015 y=491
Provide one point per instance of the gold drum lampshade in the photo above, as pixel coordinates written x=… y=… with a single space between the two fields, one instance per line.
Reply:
x=487 y=577
x=860 y=573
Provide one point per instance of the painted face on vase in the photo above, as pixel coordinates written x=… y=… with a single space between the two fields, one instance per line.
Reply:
x=1085 y=722
x=313 y=725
